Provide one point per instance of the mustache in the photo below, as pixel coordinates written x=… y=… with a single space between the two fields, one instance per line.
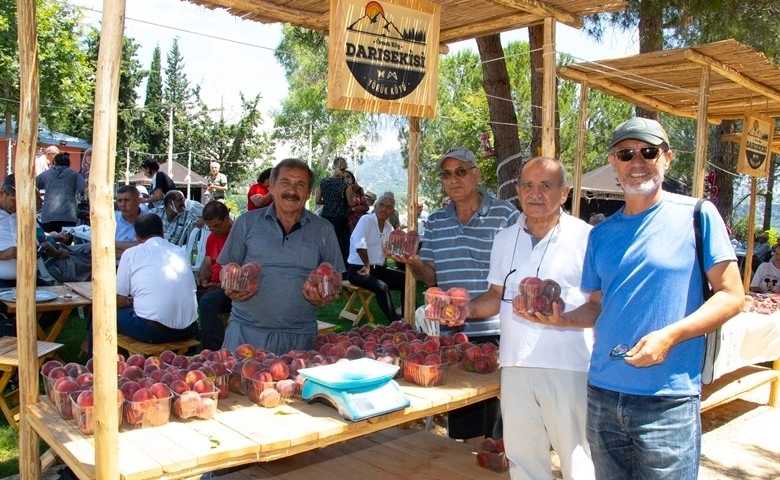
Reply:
x=291 y=197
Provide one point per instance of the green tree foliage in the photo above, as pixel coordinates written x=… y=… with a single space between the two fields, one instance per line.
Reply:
x=153 y=121
x=463 y=116
x=62 y=63
x=80 y=121
x=304 y=120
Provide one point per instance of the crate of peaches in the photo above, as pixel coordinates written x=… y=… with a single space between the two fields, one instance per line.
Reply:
x=241 y=279
x=400 y=242
x=450 y=307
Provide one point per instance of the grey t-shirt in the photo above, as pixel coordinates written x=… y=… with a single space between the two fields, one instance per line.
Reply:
x=61 y=184
x=286 y=260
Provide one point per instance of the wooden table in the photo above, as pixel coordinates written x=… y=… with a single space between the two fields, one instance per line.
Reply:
x=9 y=364
x=242 y=433
x=60 y=304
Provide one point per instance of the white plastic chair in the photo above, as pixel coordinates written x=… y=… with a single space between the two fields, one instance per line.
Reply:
x=195 y=249
x=423 y=324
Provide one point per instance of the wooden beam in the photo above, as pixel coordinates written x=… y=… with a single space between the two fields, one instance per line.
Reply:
x=101 y=195
x=542 y=10
x=549 y=92
x=487 y=27
x=29 y=86
x=577 y=175
x=613 y=88
x=272 y=13
x=731 y=74
x=700 y=157
x=606 y=71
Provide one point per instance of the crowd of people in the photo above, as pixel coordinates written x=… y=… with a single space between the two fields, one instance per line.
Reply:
x=609 y=377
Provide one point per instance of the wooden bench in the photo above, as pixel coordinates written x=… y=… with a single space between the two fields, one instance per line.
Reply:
x=357 y=300
x=9 y=364
x=133 y=346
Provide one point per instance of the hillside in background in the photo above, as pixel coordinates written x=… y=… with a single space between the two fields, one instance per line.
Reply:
x=382 y=173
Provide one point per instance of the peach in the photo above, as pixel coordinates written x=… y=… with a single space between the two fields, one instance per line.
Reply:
x=160 y=390
x=85 y=399
x=136 y=360
x=269 y=398
x=129 y=389
x=133 y=372
x=143 y=400
x=179 y=386
x=193 y=376
x=47 y=367
x=280 y=371
x=167 y=357
x=205 y=385
x=245 y=350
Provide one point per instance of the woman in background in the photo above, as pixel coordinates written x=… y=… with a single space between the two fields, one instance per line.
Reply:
x=258 y=195
x=61 y=185
x=356 y=199
x=332 y=195
x=161 y=183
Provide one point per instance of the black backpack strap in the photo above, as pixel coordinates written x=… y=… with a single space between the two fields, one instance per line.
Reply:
x=700 y=247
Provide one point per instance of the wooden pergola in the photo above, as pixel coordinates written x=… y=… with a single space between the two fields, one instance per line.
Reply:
x=460 y=19
x=710 y=83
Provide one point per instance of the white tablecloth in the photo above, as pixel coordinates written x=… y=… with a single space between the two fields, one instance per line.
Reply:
x=747 y=339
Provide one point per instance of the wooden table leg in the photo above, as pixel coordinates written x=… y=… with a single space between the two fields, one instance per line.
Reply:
x=8 y=411
x=56 y=327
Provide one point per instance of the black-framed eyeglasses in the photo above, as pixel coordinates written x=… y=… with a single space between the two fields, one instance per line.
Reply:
x=648 y=153
x=619 y=351
x=458 y=172
x=503 y=288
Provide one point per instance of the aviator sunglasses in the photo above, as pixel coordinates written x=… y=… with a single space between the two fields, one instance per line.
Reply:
x=648 y=153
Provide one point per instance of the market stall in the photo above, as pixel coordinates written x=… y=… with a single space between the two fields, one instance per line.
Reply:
x=102 y=456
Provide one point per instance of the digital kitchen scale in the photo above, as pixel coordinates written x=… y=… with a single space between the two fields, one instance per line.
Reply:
x=358 y=389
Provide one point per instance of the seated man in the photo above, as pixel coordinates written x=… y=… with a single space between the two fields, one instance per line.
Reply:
x=177 y=221
x=767 y=277
x=214 y=302
x=155 y=288
x=366 y=262
x=128 y=202
x=8 y=232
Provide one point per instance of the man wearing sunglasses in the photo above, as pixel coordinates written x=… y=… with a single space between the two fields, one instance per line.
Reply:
x=543 y=369
x=646 y=293
x=455 y=252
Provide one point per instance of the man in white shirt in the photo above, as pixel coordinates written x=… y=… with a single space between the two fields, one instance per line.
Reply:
x=45 y=160
x=767 y=277
x=366 y=262
x=155 y=287
x=543 y=369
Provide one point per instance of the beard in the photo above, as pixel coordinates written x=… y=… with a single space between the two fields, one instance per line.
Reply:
x=648 y=187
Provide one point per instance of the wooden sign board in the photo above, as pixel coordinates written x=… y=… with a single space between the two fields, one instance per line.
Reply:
x=754 y=148
x=384 y=56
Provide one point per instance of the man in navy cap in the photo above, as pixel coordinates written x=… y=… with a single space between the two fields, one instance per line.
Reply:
x=648 y=315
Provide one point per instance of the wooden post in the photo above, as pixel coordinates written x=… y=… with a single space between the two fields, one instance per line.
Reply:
x=410 y=289
x=747 y=271
x=700 y=159
x=26 y=321
x=549 y=91
x=577 y=174
x=101 y=198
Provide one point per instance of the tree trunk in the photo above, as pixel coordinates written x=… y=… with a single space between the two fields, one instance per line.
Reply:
x=535 y=44
x=725 y=159
x=503 y=118
x=650 y=40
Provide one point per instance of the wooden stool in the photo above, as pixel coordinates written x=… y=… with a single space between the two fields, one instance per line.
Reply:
x=132 y=346
x=354 y=296
x=9 y=364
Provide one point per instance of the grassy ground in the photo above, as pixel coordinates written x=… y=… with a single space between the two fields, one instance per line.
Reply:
x=75 y=332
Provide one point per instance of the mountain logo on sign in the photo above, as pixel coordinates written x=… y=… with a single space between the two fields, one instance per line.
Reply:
x=387 y=62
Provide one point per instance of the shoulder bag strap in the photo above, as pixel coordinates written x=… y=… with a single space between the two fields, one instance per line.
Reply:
x=700 y=248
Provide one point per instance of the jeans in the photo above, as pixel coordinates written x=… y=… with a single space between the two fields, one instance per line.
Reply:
x=128 y=323
x=381 y=281
x=211 y=306
x=643 y=437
